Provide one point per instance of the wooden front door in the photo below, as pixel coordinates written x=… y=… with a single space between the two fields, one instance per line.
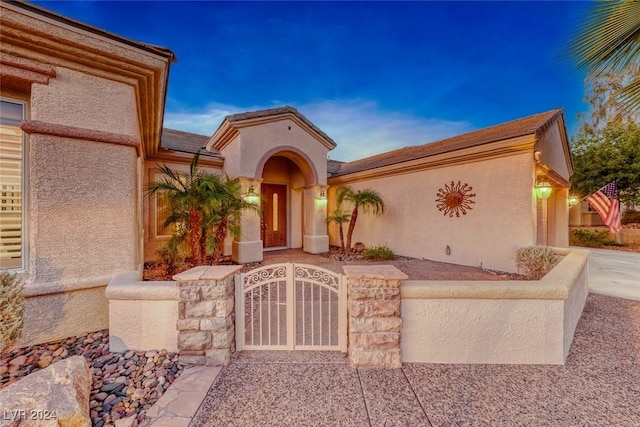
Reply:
x=274 y=215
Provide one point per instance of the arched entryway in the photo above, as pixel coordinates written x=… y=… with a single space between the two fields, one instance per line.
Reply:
x=293 y=205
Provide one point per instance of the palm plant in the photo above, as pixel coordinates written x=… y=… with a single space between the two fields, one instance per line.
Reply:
x=609 y=43
x=189 y=195
x=366 y=199
x=339 y=217
x=224 y=213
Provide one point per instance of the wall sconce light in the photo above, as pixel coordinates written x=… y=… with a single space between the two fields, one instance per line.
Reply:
x=251 y=196
x=573 y=200
x=321 y=199
x=543 y=190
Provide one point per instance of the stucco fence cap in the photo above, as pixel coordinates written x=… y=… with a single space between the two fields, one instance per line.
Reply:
x=126 y=287
x=556 y=284
x=389 y=272
x=207 y=272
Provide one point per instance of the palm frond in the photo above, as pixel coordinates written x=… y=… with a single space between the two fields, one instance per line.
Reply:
x=610 y=38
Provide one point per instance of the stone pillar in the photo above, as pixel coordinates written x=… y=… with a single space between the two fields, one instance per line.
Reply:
x=315 y=239
x=248 y=247
x=206 y=329
x=373 y=308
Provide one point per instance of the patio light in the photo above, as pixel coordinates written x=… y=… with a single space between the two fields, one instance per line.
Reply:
x=573 y=200
x=251 y=196
x=543 y=190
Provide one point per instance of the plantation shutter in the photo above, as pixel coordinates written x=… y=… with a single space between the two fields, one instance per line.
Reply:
x=11 y=195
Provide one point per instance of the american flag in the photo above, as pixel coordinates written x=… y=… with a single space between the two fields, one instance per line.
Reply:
x=605 y=202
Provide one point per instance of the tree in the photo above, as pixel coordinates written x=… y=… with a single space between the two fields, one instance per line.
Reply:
x=189 y=196
x=225 y=211
x=601 y=156
x=340 y=217
x=366 y=199
x=609 y=43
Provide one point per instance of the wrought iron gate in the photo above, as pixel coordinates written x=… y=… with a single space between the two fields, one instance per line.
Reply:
x=291 y=307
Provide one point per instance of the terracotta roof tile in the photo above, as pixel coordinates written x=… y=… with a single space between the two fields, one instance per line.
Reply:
x=535 y=124
x=185 y=142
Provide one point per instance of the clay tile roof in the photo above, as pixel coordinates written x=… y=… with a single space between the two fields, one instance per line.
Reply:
x=277 y=111
x=185 y=142
x=535 y=124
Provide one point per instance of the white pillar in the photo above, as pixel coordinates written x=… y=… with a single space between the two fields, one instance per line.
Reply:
x=247 y=247
x=315 y=237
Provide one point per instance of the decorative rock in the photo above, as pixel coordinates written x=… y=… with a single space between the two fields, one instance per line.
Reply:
x=62 y=388
x=107 y=370
x=101 y=396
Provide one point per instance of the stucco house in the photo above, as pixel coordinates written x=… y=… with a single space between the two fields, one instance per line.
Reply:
x=82 y=134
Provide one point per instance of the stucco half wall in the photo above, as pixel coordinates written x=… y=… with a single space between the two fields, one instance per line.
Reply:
x=501 y=219
x=510 y=322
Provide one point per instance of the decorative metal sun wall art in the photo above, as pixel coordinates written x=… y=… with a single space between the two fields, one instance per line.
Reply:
x=455 y=199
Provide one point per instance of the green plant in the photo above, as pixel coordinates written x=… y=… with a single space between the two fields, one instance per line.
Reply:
x=224 y=211
x=381 y=252
x=591 y=239
x=340 y=217
x=171 y=255
x=535 y=261
x=368 y=200
x=11 y=310
x=189 y=195
x=630 y=217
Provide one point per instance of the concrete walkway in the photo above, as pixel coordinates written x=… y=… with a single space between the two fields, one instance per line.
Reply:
x=614 y=273
x=598 y=385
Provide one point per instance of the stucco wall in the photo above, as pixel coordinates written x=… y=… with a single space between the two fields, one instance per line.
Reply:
x=82 y=227
x=77 y=99
x=509 y=322
x=82 y=198
x=551 y=151
x=257 y=140
x=142 y=315
x=501 y=221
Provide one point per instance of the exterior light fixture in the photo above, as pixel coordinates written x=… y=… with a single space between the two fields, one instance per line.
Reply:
x=251 y=196
x=321 y=199
x=543 y=190
x=573 y=200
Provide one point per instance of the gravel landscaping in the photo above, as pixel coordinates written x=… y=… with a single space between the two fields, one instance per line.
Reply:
x=123 y=384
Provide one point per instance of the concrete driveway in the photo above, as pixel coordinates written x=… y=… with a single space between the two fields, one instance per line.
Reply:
x=614 y=273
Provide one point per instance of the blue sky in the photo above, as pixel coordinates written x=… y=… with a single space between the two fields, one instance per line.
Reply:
x=373 y=75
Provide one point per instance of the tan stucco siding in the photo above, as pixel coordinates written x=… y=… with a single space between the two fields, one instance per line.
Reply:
x=501 y=220
x=552 y=152
x=256 y=141
x=85 y=101
x=83 y=208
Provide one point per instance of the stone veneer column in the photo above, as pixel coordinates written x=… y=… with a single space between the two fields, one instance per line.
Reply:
x=206 y=328
x=373 y=308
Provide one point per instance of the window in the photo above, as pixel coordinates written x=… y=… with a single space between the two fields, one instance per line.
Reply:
x=12 y=181
x=162 y=212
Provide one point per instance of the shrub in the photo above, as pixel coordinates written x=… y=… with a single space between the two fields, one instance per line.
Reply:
x=591 y=239
x=630 y=217
x=11 y=310
x=171 y=256
x=535 y=261
x=379 y=253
